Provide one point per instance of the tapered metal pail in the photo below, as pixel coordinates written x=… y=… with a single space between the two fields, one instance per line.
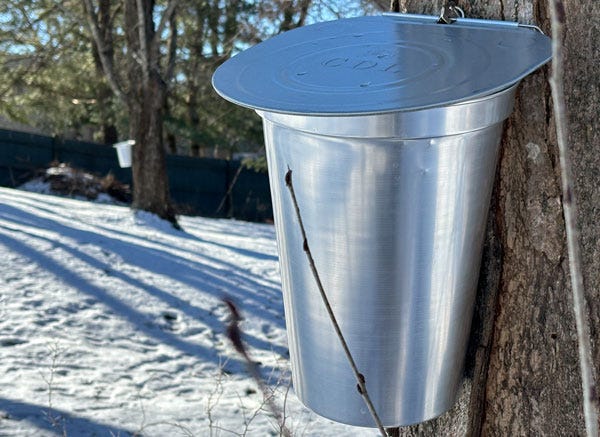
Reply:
x=391 y=127
x=124 y=152
x=395 y=221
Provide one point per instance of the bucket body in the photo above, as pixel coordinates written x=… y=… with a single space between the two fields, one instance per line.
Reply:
x=395 y=208
x=124 y=152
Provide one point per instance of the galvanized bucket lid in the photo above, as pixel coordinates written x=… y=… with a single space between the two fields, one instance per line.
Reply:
x=381 y=64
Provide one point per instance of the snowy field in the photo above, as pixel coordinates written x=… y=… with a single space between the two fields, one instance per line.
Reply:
x=112 y=324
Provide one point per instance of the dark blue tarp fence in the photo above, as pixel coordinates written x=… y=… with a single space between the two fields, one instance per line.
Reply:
x=198 y=185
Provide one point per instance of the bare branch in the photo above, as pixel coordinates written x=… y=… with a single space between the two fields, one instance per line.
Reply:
x=172 y=48
x=360 y=379
x=143 y=36
x=111 y=19
x=105 y=60
x=590 y=393
x=303 y=7
x=166 y=18
x=235 y=336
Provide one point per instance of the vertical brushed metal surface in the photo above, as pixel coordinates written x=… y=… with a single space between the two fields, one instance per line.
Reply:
x=396 y=228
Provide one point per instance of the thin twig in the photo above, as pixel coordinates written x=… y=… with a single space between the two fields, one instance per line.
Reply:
x=230 y=188
x=284 y=407
x=55 y=420
x=213 y=399
x=232 y=184
x=361 y=386
x=235 y=335
x=590 y=394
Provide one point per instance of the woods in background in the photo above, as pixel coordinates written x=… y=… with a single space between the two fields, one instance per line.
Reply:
x=139 y=69
x=53 y=79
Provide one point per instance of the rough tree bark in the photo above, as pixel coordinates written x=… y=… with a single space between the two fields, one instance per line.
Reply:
x=522 y=372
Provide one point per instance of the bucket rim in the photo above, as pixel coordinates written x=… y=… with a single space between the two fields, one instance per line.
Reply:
x=126 y=143
x=439 y=121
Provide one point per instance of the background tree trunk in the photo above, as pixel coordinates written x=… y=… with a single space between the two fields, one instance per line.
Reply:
x=146 y=102
x=522 y=371
x=151 y=185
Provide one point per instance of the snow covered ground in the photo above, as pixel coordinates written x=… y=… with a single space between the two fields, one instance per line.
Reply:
x=112 y=323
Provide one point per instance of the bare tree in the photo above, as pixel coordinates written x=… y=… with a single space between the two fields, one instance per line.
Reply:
x=140 y=80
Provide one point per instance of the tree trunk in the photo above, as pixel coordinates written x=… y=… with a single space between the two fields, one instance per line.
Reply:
x=151 y=185
x=146 y=100
x=522 y=373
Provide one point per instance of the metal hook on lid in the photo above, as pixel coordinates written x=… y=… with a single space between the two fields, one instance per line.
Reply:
x=450 y=12
x=532 y=27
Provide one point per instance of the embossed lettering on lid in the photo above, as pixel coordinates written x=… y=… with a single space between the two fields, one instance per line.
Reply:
x=372 y=65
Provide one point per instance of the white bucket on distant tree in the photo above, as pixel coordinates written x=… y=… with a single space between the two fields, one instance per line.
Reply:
x=124 y=152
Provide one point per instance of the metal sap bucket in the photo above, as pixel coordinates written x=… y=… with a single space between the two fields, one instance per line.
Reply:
x=393 y=185
x=124 y=152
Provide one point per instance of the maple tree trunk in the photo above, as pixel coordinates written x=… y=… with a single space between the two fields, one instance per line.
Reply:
x=146 y=100
x=150 y=182
x=522 y=373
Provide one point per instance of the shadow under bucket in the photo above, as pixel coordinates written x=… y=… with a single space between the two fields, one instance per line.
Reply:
x=391 y=126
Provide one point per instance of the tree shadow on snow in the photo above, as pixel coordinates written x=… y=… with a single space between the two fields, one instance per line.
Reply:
x=172 y=300
x=119 y=307
x=57 y=421
x=259 y=299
